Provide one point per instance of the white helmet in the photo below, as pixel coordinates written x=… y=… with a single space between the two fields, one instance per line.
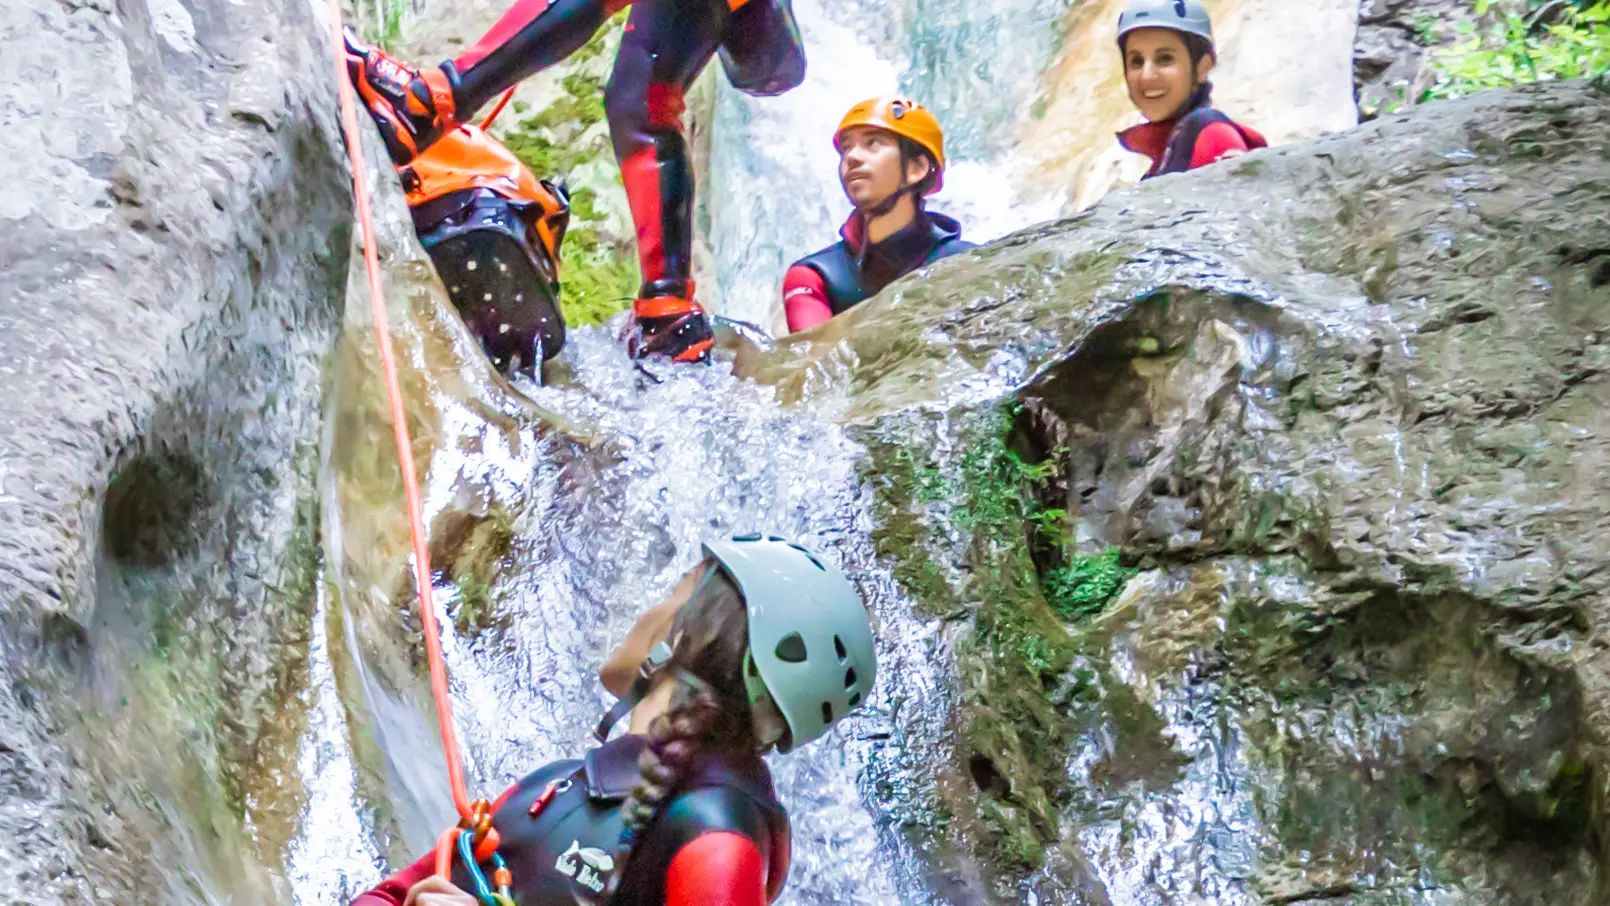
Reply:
x=1186 y=16
x=810 y=637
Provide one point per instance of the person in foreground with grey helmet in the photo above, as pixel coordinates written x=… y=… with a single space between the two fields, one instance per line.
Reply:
x=1168 y=52
x=763 y=648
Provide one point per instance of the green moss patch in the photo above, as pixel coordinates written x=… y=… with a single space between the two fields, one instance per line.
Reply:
x=972 y=509
x=1087 y=584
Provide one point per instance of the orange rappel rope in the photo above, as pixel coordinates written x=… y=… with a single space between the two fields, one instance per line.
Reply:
x=476 y=816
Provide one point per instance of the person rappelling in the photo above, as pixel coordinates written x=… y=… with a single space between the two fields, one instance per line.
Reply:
x=1168 y=53
x=665 y=46
x=891 y=158
x=770 y=650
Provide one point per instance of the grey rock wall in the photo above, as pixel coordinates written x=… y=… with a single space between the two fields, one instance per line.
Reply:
x=172 y=242
x=1393 y=36
x=1341 y=406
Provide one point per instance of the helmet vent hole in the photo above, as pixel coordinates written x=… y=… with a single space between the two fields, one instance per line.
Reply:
x=838 y=645
x=855 y=700
x=849 y=679
x=827 y=712
x=792 y=649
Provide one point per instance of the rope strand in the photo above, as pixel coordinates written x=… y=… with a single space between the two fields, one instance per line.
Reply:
x=474 y=815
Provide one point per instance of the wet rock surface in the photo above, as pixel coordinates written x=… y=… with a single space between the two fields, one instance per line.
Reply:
x=1340 y=407
x=172 y=238
x=1237 y=541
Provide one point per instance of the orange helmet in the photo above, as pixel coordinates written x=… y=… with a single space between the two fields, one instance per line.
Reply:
x=905 y=118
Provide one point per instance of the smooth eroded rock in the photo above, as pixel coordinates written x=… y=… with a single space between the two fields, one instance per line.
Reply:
x=1340 y=407
x=173 y=232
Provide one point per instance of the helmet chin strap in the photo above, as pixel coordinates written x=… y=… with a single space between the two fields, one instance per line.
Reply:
x=648 y=673
x=655 y=665
x=888 y=204
x=769 y=723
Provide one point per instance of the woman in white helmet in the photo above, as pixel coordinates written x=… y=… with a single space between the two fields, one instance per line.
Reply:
x=1168 y=54
x=768 y=650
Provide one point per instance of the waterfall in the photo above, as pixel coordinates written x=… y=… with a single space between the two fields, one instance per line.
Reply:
x=700 y=456
x=975 y=65
x=601 y=529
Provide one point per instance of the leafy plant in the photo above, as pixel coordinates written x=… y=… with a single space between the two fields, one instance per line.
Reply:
x=1089 y=581
x=382 y=21
x=1425 y=27
x=1513 y=50
x=1084 y=587
x=1052 y=523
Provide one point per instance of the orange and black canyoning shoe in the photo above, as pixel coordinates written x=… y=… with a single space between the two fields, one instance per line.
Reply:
x=670 y=327
x=412 y=107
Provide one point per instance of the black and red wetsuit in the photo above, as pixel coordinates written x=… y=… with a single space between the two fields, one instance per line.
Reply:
x=666 y=45
x=720 y=840
x=846 y=273
x=1197 y=137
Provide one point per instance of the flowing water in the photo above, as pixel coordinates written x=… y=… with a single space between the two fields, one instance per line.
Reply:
x=976 y=65
x=600 y=528
x=696 y=457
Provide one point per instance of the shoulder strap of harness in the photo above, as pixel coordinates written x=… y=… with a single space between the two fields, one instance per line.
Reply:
x=841 y=275
x=658 y=657
x=1182 y=142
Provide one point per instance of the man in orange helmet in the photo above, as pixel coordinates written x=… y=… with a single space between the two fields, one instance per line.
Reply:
x=891 y=157
x=665 y=46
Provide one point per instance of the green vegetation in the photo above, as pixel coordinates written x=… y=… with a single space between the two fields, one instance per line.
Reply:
x=473 y=554
x=381 y=21
x=994 y=506
x=1511 y=45
x=1019 y=662
x=1084 y=587
x=598 y=273
x=1502 y=43
x=1085 y=583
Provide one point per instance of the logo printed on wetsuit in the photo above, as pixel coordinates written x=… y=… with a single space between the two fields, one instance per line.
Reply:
x=586 y=865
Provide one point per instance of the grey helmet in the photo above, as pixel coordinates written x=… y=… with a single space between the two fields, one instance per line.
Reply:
x=810 y=636
x=1187 y=16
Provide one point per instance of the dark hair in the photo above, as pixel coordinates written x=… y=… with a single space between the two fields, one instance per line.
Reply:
x=1198 y=47
x=709 y=705
x=1195 y=45
x=910 y=151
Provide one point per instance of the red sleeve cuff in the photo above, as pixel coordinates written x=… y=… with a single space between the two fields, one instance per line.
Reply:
x=805 y=298
x=394 y=890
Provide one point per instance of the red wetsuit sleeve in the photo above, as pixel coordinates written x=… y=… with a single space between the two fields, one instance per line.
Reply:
x=394 y=890
x=1216 y=142
x=717 y=869
x=805 y=298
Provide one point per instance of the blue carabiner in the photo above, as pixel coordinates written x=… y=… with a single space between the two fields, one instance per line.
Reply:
x=466 y=853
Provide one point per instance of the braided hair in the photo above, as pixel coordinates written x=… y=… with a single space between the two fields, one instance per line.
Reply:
x=709 y=709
